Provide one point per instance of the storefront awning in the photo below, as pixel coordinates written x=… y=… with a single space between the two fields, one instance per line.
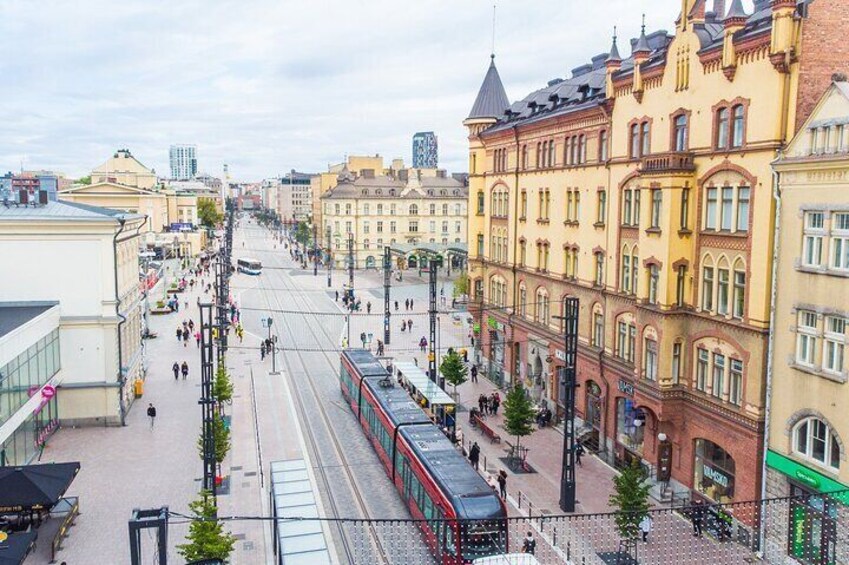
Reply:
x=34 y=487
x=417 y=378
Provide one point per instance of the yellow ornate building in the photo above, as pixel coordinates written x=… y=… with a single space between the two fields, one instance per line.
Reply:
x=642 y=185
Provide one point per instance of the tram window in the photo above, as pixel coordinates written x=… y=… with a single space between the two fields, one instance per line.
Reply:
x=450 y=545
x=428 y=509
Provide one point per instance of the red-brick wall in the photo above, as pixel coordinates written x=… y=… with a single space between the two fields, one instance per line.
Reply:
x=825 y=51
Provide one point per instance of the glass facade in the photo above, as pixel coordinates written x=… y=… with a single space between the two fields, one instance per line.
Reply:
x=713 y=472
x=19 y=380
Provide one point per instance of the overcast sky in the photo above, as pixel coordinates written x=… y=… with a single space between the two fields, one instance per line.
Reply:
x=270 y=85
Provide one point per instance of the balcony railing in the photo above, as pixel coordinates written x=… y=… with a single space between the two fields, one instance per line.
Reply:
x=667 y=162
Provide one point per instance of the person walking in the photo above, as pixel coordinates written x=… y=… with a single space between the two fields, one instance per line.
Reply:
x=186 y=337
x=502 y=483
x=529 y=544
x=403 y=326
x=423 y=344
x=697 y=516
x=410 y=323
x=474 y=373
x=191 y=325
x=179 y=333
x=579 y=452
x=151 y=414
x=197 y=338
x=411 y=304
x=176 y=368
x=262 y=351
x=185 y=370
x=337 y=296
x=495 y=402
x=482 y=404
x=474 y=455
x=368 y=307
x=645 y=527
x=396 y=305
x=406 y=304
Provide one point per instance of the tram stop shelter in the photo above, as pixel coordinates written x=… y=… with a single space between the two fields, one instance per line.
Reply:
x=418 y=255
x=437 y=403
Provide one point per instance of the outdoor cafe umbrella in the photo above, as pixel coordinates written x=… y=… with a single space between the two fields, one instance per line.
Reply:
x=15 y=547
x=31 y=488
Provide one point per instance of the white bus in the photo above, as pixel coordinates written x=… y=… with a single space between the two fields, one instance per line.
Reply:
x=249 y=266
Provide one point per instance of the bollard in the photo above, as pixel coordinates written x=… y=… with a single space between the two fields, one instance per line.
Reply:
x=520 y=500
x=568 y=550
x=530 y=510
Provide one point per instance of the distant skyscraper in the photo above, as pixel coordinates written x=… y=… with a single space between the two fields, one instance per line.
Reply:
x=425 y=150
x=184 y=162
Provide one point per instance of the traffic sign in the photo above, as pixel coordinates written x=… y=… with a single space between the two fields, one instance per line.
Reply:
x=48 y=392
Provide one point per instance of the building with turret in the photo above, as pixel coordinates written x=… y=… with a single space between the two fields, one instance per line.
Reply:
x=641 y=184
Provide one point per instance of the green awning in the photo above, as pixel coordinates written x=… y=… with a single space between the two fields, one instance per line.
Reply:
x=807 y=476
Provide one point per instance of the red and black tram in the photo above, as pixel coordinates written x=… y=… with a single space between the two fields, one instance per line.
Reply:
x=463 y=518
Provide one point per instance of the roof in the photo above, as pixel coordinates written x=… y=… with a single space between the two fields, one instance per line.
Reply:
x=381 y=187
x=417 y=378
x=492 y=99
x=64 y=211
x=298 y=541
x=15 y=314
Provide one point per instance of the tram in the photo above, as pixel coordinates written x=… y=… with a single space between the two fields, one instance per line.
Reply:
x=462 y=517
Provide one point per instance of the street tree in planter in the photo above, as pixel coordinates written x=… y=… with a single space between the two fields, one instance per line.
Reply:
x=303 y=234
x=221 y=435
x=222 y=386
x=206 y=538
x=518 y=414
x=454 y=370
x=208 y=214
x=631 y=499
x=461 y=285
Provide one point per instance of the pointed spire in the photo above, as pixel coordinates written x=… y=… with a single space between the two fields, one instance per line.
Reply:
x=491 y=101
x=642 y=43
x=736 y=11
x=614 y=56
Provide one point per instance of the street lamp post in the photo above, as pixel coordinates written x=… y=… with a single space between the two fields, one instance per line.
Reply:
x=329 y=259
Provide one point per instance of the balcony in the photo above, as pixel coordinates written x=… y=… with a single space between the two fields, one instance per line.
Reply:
x=671 y=162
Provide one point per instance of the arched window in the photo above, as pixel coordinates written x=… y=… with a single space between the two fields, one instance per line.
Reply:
x=567 y=150
x=551 y=156
x=680 y=133
x=635 y=141
x=582 y=149
x=598 y=326
x=815 y=440
x=645 y=139
x=625 y=275
x=539 y=155
x=654 y=281
x=737 y=126
x=480 y=202
x=542 y=309
x=523 y=300
x=722 y=125
x=602 y=145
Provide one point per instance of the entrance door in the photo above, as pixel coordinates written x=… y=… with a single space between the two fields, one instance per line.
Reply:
x=813 y=532
x=593 y=415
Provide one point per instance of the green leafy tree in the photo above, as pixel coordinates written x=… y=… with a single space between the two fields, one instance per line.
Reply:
x=631 y=499
x=518 y=414
x=84 y=180
x=208 y=214
x=206 y=538
x=222 y=439
x=222 y=386
x=461 y=285
x=454 y=370
x=303 y=235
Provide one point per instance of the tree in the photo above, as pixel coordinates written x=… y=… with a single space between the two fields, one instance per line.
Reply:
x=84 y=180
x=454 y=370
x=631 y=498
x=206 y=538
x=208 y=214
x=222 y=386
x=518 y=414
x=303 y=235
x=221 y=436
x=461 y=285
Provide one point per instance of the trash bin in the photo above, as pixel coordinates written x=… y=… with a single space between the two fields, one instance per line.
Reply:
x=138 y=388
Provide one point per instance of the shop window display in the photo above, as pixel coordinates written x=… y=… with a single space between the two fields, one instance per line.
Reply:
x=713 y=472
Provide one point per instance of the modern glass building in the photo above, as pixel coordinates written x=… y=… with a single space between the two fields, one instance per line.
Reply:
x=184 y=162
x=29 y=369
x=425 y=150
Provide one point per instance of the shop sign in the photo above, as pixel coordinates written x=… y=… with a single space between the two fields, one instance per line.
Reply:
x=715 y=475
x=560 y=354
x=806 y=476
x=626 y=387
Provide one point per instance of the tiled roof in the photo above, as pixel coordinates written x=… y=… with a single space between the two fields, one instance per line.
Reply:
x=492 y=100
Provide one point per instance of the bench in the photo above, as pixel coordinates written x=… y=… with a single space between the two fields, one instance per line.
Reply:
x=479 y=423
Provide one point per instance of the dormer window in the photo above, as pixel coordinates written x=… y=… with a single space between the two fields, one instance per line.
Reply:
x=392 y=192
x=443 y=193
x=365 y=192
x=378 y=192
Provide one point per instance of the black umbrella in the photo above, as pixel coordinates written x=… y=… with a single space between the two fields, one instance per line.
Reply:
x=16 y=547
x=34 y=487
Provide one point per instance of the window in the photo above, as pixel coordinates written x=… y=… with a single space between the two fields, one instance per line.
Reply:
x=380 y=209
x=392 y=209
x=414 y=227
x=625 y=283
x=444 y=227
x=599 y=268
x=636 y=207
x=813 y=439
x=702 y=362
x=598 y=330
x=523 y=204
x=656 y=207
x=414 y=210
x=710 y=209
x=445 y=209
x=685 y=209
x=679 y=285
x=366 y=209
x=646 y=149
x=707 y=288
x=524 y=157
x=840 y=241
x=626 y=207
x=432 y=209
x=718 y=375
x=833 y=344
x=458 y=209
x=735 y=382
x=677 y=362
x=480 y=245
x=523 y=253
x=806 y=340
x=727 y=208
x=601 y=206
x=650 y=362
x=722 y=294
x=365 y=244
x=739 y=293
x=582 y=149
x=393 y=227
x=635 y=141
x=635 y=271
x=573 y=204
x=458 y=226
x=654 y=280
x=813 y=239
x=625 y=339
x=379 y=227
x=542 y=310
x=602 y=145
x=523 y=301
x=567 y=151
x=551 y=155
x=681 y=132
x=347 y=227
x=722 y=128
x=366 y=227
x=737 y=127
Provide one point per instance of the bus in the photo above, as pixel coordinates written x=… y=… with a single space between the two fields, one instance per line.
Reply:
x=249 y=266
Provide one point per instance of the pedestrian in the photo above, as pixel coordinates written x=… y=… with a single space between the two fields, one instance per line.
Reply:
x=197 y=338
x=410 y=323
x=423 y=344
x=191 y=325
x=411 y=304
x=185 y=370
x=363 y=339
x=696 y=516
x=151 y=414
x=403 y=326
x=179 y=334
x=502 y=483
x=474 y=373
x=645 y=527
x=529 y=544
x=262 y=351
x=176 y=368
x=379 y=348
x=474 y=455
x=396 y=305
x=337 y=296
x=579 y=447
x=368 y=307
x=495 y=402
x=185 y=338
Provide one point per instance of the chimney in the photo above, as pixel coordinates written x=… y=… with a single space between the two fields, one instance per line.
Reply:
x=403 y=175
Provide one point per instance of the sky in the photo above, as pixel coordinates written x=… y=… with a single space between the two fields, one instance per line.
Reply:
x=272 y=85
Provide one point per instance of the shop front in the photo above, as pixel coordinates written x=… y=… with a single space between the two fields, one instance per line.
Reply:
x=537 y=368
x=495 y=351
x=630 y=432
x=592 y=415
x=713 y=470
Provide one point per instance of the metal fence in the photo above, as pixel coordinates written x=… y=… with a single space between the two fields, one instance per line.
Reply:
x=812 y=530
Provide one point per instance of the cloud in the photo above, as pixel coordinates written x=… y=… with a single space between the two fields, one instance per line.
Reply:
x=270 y=85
